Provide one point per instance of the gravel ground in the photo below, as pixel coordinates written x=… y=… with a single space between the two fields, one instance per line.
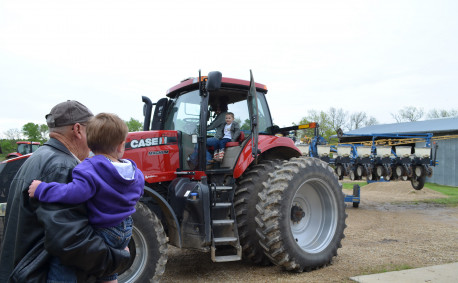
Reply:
x=386 y=232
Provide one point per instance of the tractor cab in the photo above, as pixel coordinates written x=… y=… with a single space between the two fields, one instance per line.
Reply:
x=23 y=148
x=193 y=105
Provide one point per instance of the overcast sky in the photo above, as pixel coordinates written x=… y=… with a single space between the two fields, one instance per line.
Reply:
x=371 y=56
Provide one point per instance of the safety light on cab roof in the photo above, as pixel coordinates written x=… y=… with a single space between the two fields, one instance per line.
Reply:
x=195 y=80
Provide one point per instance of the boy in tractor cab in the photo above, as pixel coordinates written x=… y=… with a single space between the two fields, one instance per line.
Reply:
x=230 y=131
x=218 y=125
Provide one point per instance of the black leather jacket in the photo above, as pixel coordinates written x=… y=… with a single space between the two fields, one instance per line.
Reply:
x=34 y=231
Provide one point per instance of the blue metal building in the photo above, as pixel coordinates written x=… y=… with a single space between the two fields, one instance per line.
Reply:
x=445 y=173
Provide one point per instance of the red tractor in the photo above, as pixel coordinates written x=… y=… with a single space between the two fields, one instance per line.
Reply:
x=23 y=148
x=263 y=202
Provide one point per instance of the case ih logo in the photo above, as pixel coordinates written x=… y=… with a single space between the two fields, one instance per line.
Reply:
x=150 y=142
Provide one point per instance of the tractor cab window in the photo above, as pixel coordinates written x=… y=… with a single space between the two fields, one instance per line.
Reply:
x=35 y=147
x=23 y=148
x=240 y=110
x=241 y=113
x=265 y=120
x=184 y=112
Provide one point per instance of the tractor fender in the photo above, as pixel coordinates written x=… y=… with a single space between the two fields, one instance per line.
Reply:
x=169 y=215
x=270 y=147
x=13 y=155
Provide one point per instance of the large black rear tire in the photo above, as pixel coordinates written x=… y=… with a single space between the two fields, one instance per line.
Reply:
x=301 y=218
x=245 y=200
x=148 y=248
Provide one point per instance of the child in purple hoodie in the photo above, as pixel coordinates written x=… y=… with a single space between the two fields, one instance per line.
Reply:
x=109 y=185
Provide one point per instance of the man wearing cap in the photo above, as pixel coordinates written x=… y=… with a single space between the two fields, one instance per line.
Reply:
x=33 y=231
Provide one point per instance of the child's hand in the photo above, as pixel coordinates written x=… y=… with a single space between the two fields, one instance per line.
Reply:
x=33 y=187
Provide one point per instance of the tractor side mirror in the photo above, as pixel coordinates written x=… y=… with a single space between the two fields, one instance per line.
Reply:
x=214 y=81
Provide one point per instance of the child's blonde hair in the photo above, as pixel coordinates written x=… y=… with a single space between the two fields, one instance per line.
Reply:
x=105 y=132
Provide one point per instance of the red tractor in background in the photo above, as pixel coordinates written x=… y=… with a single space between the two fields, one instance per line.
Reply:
x=263 y=202
x=23 y=148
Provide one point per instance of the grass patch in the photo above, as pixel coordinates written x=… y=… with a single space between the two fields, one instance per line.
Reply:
x=349 y=186
x=386 y=268
x=451 y=192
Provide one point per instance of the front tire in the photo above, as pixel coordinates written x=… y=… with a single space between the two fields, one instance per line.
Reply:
x=302 y=215
x=148 y=248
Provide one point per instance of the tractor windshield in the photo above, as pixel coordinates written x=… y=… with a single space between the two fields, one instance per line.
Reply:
x=26 y=148
x=23 y=148
x=184 y=112
x=183 y=115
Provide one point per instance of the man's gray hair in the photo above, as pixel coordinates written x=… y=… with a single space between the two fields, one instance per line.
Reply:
x=60 y=130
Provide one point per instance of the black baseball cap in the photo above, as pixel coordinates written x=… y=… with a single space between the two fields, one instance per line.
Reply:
x=68 y=113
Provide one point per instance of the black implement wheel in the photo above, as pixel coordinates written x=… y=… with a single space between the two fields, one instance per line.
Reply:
x=352 y=175
x=301 y=218
x=148 y=248
x=388 y=173
x=418 y=182
x=245 y=201
x=369 y=174
x=356 y=193
x=340 y=171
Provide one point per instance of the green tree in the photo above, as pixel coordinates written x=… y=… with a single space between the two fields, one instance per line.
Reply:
x=134 y=125
x=246 y=125
x=44 y=132
x=324 y=121
x=32 y=131
x=7 y=146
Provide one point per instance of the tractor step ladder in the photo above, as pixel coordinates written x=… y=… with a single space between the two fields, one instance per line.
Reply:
x=225 y=237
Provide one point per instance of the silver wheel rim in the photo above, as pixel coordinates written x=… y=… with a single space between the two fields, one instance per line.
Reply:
x=136 y=269
x=359 y=171
x=339 y=170
x=352 y=175
x=316 y=229
x=399 y=171
x=379 y=171
x=418 y=171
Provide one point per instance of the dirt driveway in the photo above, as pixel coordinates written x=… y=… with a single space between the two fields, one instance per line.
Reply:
x=384 y=233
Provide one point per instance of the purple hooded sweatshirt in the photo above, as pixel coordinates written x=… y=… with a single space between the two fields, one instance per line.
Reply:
x=109 y=197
